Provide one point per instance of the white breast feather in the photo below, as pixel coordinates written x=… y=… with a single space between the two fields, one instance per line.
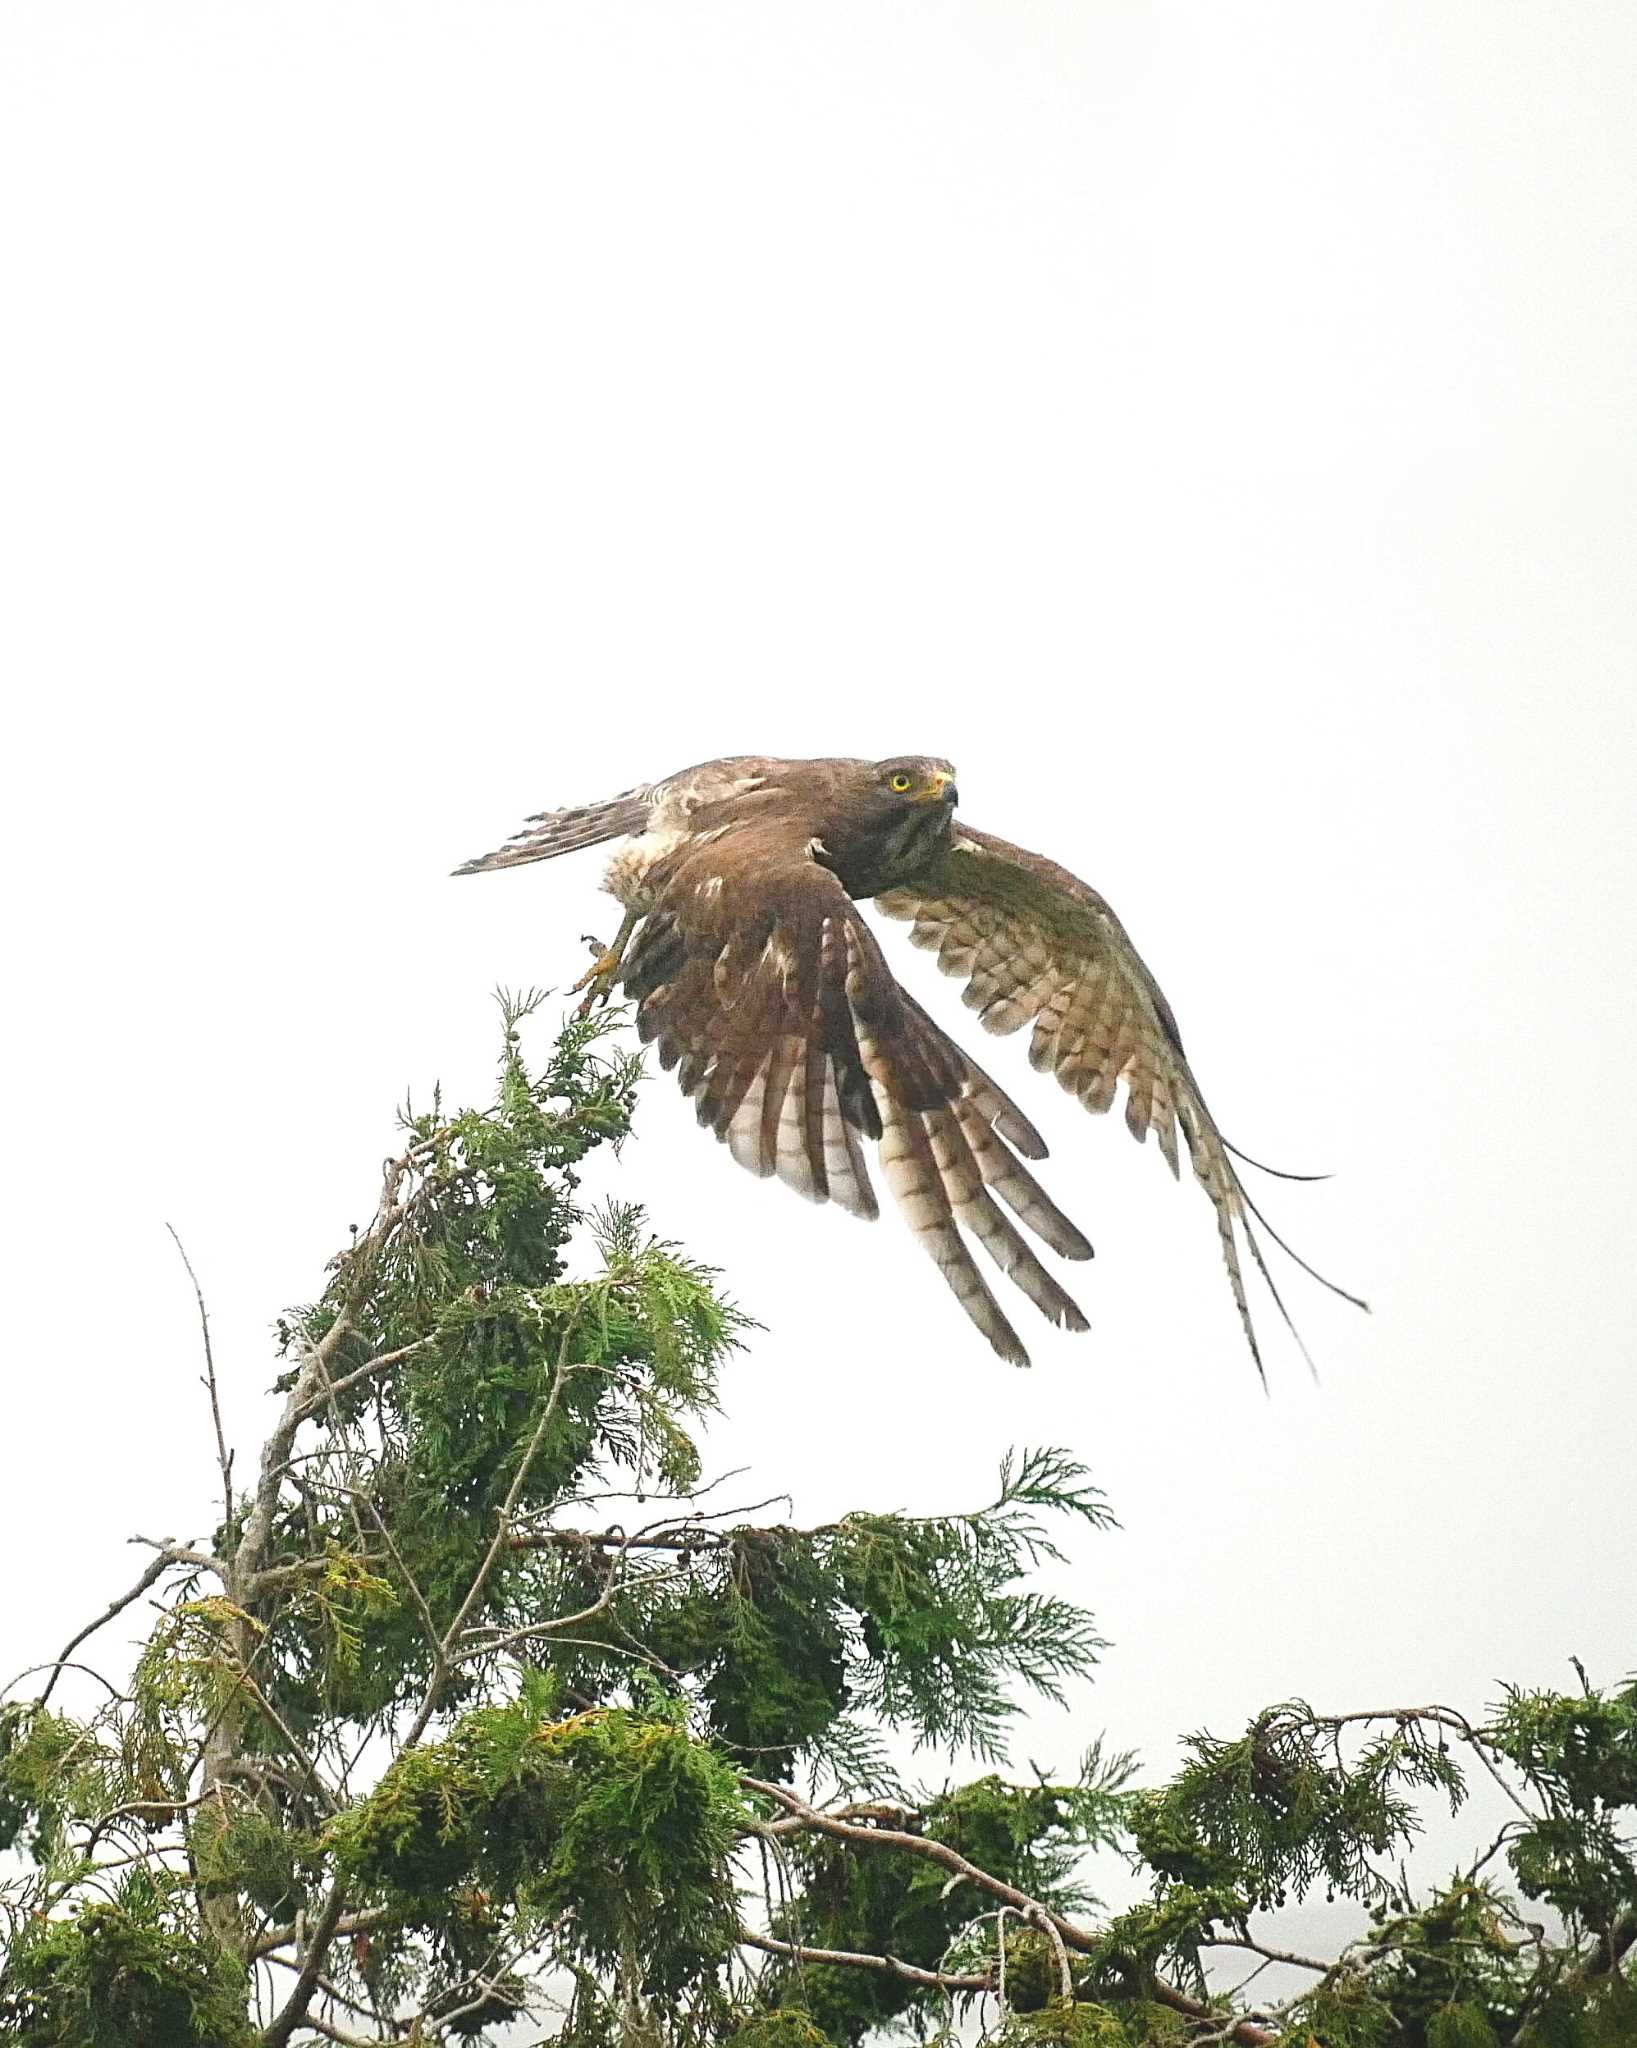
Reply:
x=626 y=875
x=669 y=825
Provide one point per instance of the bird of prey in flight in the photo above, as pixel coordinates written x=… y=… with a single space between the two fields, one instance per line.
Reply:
x=751 y=965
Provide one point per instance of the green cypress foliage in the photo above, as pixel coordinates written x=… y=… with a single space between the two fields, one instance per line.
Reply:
x=483 y=1714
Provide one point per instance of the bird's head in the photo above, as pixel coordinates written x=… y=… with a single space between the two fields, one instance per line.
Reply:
x=894 y=817
x=910 y=780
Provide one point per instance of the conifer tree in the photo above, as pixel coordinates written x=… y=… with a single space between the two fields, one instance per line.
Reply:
x=483 y=1715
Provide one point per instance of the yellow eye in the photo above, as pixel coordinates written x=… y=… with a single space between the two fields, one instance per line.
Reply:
x=901 y=782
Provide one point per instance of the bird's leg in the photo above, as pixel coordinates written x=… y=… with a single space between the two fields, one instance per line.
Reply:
x=599 y=978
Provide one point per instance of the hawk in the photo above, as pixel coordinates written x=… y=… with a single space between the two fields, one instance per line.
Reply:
x=752 y=967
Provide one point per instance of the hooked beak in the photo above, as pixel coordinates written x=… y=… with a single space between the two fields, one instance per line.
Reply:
x=941 y=789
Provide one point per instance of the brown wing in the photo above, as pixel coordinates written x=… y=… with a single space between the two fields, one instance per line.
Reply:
x=1036 y=945
x=766 y=991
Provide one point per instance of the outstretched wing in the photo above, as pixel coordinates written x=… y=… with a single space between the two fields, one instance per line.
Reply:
x=767 y=992
x=1035 y=945
x=549 y=833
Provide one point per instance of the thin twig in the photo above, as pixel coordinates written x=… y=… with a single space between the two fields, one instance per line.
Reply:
x=224 y=1457
x=149 y=1578
x=357 y=1494
x=62 y=1664
x=501 y=1640
x=140 y=1809
x=1444 y=1717
x=315 y=1778
x=1268 y=1955
x=376 y=1364
x=333 y=1991
x=503 y=1527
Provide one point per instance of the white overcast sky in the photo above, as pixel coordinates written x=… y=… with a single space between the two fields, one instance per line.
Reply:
x=1211 y=426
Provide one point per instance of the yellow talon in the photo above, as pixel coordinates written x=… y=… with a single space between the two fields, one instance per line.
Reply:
x=597 y=981
x=599 y=978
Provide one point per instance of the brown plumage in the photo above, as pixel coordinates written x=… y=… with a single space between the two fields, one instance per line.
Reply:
x=758 y=979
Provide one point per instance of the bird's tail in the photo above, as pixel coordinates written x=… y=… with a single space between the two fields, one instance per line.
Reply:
x=550 y=833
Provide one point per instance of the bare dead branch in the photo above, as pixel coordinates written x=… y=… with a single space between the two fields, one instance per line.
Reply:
x=1608 y=1952
x=917 y=1845
x=671 y=1532
x=1046 y=1924
x=249 y=1555
x=332 y=2032
x=1245 y=2032
x=892 y=1966
x=330 y=1989
x=350 y=1923
x=182 y=1553
x=293 y=2013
